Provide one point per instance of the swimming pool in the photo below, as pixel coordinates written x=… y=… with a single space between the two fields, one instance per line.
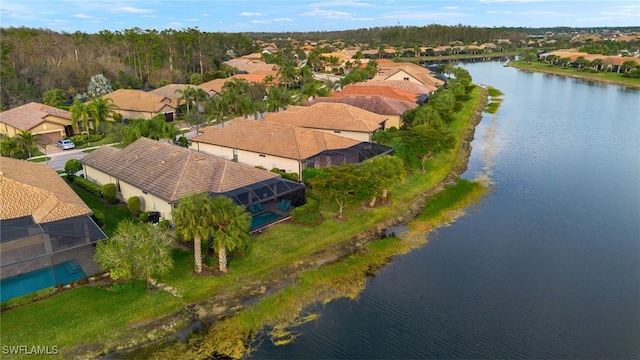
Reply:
x=262 y=219
x=28 y=283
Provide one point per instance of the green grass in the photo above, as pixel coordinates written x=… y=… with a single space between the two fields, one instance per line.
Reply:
x=603 y=76
x=493 y=92
x=40 y=159
x=94 y=320
x=113 y=214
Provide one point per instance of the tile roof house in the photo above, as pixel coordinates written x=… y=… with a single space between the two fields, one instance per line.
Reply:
x=215 y=86
x=338 y=118
x=44 y=224
x=283 y=146
x=385 y=91
x=390 y=108
x=138 y=104
x=161 y=173
x=408 y=86
x=48 y=121
x=389 y=70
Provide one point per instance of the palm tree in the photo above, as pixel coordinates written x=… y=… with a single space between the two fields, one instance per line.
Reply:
x=79 y=111
x=192 y=219
x=230 y=224
x=217 y=107
x=100 y=110
x=186 y=95
x=28 y=140
x=288 y=74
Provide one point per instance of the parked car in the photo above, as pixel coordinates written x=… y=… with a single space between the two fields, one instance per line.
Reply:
x=65 y=144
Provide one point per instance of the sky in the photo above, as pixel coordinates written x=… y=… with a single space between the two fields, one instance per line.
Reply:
x=92 y=16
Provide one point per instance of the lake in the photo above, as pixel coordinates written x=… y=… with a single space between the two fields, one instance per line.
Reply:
x=547 y=266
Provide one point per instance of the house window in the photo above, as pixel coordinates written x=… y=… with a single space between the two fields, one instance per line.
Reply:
x=406 y=78
x=262 y=155
x=336 y=131
x=235 y=155
x=144 y=192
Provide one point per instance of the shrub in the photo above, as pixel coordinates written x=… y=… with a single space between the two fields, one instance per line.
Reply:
x=98 y=217
x=27 y=299
x=110 y=193
x=307 y=214
x=91 y=187
x=182 y=141
x=286 y=175
x=210 y=261
x=144 y=216
x=164 y=224
x=71 y=167
x=134 y=205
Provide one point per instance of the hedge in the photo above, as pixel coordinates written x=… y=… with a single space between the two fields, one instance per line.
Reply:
x=134 y=205
x=286 y=175
x=307 y=214
x=91 y=187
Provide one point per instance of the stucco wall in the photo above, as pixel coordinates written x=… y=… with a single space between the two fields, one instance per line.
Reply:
x=247 y=157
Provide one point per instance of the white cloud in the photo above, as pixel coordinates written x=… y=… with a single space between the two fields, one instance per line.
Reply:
x=340 y=3
x=260 y=22
x=282 y=19
x=83 y=16
x=328 y=14
x=131 y=10
x=250 y=14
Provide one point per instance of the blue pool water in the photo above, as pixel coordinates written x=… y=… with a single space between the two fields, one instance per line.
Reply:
x=28 y=283
x=262 y=219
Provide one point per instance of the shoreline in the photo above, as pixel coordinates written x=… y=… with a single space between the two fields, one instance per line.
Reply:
x=193 y=317
x=573 y=76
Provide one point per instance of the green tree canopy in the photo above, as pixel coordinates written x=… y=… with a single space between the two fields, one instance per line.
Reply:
x=422 y=142
x=344 y=184
x=135 y=252
x=230 y=223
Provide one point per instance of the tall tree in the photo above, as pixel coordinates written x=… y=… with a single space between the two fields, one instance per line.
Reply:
x=423 y=142
x=192 y=220
x=186 y=95
x=28 y=141
x=54 y=97
x=136 y=252
x=383 y=172
x=344 y=184
x=80 y=112
x=100 y=110
x=230 y=223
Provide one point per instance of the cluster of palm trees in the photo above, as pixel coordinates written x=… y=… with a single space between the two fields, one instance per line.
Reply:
x=217 y=220
x=21 y=146
x=98 y=109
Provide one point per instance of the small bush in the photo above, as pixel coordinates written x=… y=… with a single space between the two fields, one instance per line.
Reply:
x=110 y=193
x=144 y=216
x=307 y=214
x=71 y=167
x=210 y=261
x=286 y=175
x=91 y=187
x=134 y=205
x=98 y=217
x=310 y=173
x=164 y=224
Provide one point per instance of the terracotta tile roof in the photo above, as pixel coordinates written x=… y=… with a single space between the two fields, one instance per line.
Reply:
x=28 y=116
x=138 y=100
x=384 y=91
x=251 y=65
x=329 y=116
x=273 y=138
x=28 y=188
x=376 y=104
x=388 y=68
x=408 y=86
x=216 y=85
x=171 y=172
x=574 y=55
x=169 y=90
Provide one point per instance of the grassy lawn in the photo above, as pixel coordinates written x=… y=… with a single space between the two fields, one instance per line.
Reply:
x=89 y=315
x=113 y=214
x=603 y=76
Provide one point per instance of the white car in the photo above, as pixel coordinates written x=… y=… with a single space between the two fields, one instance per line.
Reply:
x=65 y=144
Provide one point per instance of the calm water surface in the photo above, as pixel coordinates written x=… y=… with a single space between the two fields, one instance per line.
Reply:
x=547 y=266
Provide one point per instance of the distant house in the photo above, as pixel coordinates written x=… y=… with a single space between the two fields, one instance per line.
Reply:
x=47 y=236
x=342 y=119
x=283 y=146
x=215 y=86
x=389 y=70
x=408 y=86
x=160 y=174
x=174 y=92
x=51 y=123
x=138 y=104
x=391 y=109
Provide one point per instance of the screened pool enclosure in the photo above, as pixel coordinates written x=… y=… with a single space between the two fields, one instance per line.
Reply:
x=36 y=256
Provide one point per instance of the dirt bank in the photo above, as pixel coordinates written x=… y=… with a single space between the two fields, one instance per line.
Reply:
x=226 y=304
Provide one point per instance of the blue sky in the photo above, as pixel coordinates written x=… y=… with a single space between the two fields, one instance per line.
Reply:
x=92 y=16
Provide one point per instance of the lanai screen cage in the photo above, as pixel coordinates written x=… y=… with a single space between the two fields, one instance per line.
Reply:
x=266 y=190
x=352 y=155
x=35 y=256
